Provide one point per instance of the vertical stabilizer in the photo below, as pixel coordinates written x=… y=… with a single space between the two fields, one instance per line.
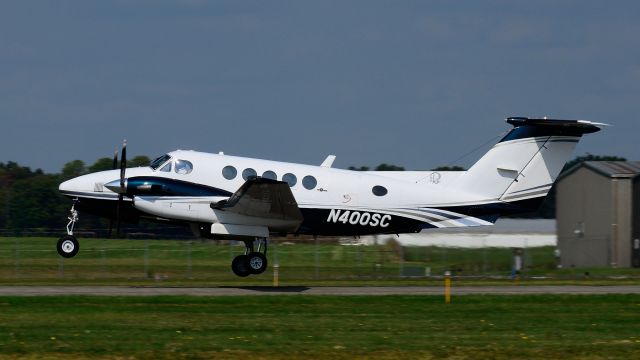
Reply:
x=526 y=162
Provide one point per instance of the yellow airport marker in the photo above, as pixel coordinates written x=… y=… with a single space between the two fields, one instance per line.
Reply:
x=447 y=287
x=276 y=275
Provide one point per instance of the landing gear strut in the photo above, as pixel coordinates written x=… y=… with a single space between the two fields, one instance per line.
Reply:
x=68 y=245
x=252 y=261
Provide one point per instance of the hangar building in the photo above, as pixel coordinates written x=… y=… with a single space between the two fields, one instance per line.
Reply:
x=598 y=214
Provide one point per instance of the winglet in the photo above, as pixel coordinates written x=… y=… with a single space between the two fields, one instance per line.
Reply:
x=328 y=162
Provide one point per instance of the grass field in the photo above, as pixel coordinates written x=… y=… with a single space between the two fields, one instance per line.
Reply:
x=321 y=327
x=32 y=260
x=301 y=327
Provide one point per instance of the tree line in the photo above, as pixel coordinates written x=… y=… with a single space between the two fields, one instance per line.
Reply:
x=30 y=199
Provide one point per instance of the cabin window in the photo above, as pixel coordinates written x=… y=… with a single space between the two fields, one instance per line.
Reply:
x=379 y=190
x=166 y=168
x=183 y=167
x=248 y=172
x=270 y=175
x=229 y=172
x=309 y=182
x=290 y=179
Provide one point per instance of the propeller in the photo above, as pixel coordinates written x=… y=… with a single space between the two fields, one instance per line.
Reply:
x=123 y=167
x=115 y=166
x=123 y=163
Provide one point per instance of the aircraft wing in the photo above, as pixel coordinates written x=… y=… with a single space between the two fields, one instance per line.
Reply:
x=266 y=199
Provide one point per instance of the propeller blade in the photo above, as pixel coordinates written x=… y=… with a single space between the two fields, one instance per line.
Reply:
x=115 y=159
x=110 y=231
x=123 y=167
x=114 y=167
x=123 y=163
x=120 y=196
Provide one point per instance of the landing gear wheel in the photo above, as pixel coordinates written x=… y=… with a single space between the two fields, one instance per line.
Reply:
x=254 y=261
x=240 y=266
x=68 y=246
x=257 y=262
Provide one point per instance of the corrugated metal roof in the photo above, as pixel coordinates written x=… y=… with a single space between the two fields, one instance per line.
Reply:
x=611 y=169
x=625 y=169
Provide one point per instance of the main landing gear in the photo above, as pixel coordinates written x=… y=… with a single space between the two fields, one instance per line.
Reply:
x=251 y=262
x=68 y=245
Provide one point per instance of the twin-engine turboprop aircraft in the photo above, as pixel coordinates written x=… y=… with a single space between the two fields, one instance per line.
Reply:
x=228 y=197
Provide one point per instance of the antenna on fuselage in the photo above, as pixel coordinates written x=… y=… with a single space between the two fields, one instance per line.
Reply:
x=328 y=162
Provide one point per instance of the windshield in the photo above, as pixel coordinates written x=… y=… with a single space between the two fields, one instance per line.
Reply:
x=159 y=161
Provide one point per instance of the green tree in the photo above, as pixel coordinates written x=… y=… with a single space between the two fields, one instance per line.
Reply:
x=101 y=164
x=36 y=203
x=13 y=171
x=73 y=169
x=361 y=168
x=389 y=167
x=381 y=167
x=140 y=160
x=106 y=163
x=9 y=174
x=448 y=168
x=4 y=197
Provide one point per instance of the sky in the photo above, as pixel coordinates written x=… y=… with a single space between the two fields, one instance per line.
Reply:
x=412 y=83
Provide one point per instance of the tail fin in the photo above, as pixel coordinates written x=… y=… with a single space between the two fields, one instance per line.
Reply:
x=526 y=162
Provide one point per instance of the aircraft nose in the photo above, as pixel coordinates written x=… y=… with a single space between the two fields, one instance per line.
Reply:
x=69 y=186
x=85 y=184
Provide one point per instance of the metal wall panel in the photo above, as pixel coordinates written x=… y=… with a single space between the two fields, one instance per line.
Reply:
x=583 y=212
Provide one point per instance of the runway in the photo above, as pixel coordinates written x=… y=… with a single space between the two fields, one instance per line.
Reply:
x=310 y=291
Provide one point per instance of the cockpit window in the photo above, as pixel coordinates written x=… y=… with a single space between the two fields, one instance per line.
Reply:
x=183 y=167
x=155 y=164
x=166 y=168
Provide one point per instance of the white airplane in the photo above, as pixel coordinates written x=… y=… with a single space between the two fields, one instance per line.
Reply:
x=229 y=197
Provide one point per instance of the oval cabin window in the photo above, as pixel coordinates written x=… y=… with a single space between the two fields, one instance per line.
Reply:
x=270 y=175
x=290 y=179
x=379 y=190
x=248 y=172
x=309 y=182
x=229 y=172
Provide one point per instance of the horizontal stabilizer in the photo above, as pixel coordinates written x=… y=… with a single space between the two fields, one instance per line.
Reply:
x=527 y=128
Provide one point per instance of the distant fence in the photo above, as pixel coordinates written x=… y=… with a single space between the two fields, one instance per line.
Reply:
x=161 y=233
x=35 y=258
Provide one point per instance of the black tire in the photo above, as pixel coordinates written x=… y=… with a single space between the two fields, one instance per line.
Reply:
x=240 y=266
x=257 y=262
x=68 y=246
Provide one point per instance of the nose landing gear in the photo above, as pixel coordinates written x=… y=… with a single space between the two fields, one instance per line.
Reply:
x=68 y=245
x=251 y=262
